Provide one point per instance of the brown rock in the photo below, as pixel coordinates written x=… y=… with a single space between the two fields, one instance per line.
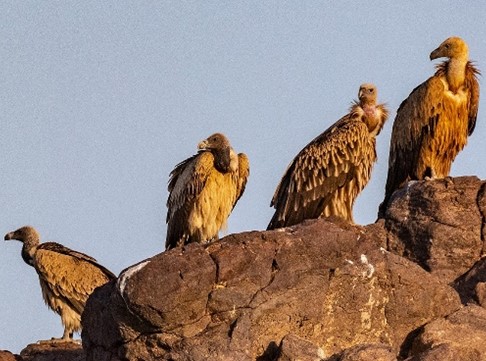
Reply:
x=236 y=299
x=471 y=284
x=460 y=336
x=53 y=351
x=8 y=356
x=293 y=348
x=439 y=224
x=366 y=352
x=480 y=290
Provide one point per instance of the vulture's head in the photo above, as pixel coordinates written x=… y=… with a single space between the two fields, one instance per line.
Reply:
x=220 y=146
x=452 y=48
x=30 y=239
x=214 y=142
x=26 y=235
x=367 y=94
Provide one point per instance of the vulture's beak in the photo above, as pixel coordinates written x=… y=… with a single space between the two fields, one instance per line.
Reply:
x=8 y=236
x=203 y=145
x=437 y=53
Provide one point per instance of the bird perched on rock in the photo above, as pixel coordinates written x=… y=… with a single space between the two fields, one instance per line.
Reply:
x=432 y=125
x=203 y=191
x=326 y=176
x=67 y=278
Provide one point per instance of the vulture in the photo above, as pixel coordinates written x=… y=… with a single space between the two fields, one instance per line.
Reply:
x=326 y=176
x=67 y=278
x=432 y=125
x=203 y=190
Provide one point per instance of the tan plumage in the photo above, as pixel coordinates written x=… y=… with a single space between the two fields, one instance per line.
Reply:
x=432 y=125
x=67 y=277
x=203 y=191
x=327 y=175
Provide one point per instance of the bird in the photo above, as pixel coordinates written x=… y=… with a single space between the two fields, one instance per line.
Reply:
x=67 y=278
x=203 y=190
x=432 y=125
x=327 y=175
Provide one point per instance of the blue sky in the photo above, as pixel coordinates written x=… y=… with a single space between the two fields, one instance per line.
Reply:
x=101 y=99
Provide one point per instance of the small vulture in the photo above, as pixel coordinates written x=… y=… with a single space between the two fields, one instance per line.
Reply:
x=203 y=191
x=432 y=125
x=326 y=176
x=67 y=278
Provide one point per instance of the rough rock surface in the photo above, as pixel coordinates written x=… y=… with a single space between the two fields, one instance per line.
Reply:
x=439 y=224
x=459 y=336
x=372 y=352
x=323 y=290
x=329 y=283
x=51 y=351
x=8 y=356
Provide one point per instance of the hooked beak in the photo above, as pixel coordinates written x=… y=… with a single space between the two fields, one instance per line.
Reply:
x=203 y=145
x=8 y=236
x=436 y=54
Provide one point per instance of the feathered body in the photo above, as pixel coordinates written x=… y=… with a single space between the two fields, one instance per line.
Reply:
x=67 y=278
x=432 y=125
x=326 y=176
x=203 y=191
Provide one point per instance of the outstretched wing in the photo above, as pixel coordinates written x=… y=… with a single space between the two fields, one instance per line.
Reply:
x=323 y=166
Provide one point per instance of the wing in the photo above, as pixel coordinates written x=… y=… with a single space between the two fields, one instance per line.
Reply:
x=68 y=274
x=473 y=85
x=323 y=166
x=244 y=173
x=186 y=183
x=414 y=126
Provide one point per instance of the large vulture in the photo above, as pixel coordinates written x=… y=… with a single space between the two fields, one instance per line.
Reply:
x=327 y=175
x=203 y=191
x=67 y=278
x=432 y=125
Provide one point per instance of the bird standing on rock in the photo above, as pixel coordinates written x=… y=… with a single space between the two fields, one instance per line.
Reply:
x=432 y=125
x=67 y=278
x=326 y=176
x=203 y=190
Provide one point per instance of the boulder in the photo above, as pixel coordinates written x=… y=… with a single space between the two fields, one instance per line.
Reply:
x=330 y=283
x=439 y=224
x=459 y=336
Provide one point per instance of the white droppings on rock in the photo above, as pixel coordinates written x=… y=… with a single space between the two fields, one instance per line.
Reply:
x=129 y=272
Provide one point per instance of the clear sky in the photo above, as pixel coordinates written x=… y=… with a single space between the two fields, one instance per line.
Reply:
x=99 y=101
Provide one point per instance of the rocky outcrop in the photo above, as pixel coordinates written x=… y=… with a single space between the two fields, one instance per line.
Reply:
x=329 y=283
x=409 y=287
x=439 y=224
x=459 y=336
x=47 y=351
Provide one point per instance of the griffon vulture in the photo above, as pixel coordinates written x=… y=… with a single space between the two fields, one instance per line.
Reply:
x=67 y=278
x=432 y=125
x=327 y=175
x=203 y=191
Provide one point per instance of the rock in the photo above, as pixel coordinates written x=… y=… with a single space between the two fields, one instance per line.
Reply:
x=323 y=290
x=366 y=352
x=53 y=351
x=439 y=224
x=8 y=356
x=471 y=284
x=293 y=348
x=459 y=336
x=328 y=283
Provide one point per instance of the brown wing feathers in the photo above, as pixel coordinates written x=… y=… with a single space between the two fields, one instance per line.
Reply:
x=67 y=277
x=203 y=190
x=326 y=176
x=432 y=124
